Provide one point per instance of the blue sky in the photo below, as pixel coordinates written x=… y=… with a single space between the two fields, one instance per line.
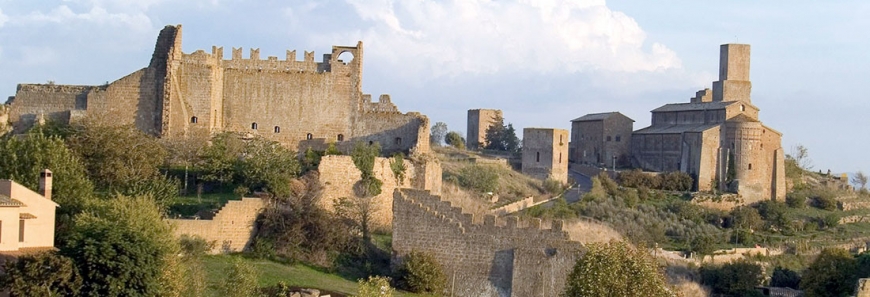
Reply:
x=542 y=62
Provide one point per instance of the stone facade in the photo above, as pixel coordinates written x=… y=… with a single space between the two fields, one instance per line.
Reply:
x=478 y=121
x=545 y=153
x=339 y=175
x=485 y=256
x=714 y=129
x=26 y=217
x=599 y=139
x=298 y=103
x=231 y=229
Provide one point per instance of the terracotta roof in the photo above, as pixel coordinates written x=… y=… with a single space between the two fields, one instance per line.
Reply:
x=6 y=201
x=26 y=216
x=598 y=116
x=693 y=106
x=676 y=129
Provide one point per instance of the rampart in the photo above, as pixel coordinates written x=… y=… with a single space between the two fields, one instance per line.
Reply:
x=231 y=229
x=339 y=176
x=486 y=256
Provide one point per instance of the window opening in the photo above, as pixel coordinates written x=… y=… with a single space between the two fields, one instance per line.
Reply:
x=193 y=120
x=340 y=137
x=254 y=126
x=309 y=136
x=277 y=129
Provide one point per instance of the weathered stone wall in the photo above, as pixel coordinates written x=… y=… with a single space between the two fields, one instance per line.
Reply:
x=545 y=153
x=617 y=140
x=50 y=100
x=587 y=138
x=478 y=121
x=231 y=229
x=483 y=256
x=339 y=175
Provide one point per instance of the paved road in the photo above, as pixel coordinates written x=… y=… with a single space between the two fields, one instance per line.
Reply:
x=584 y=184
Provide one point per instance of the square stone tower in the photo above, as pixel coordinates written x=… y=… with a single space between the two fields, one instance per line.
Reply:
x=545 y=153
x=733 y=83
x=478 y=121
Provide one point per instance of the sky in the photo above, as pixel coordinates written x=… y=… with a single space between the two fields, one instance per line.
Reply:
x=541 y=62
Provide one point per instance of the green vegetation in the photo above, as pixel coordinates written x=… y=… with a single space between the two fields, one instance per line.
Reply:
x=736 y=279
x=479 y=178
x=421 y=273
x=501 y=137
x=455 y=139
x=375 y=286
x=616 y=269
x=833 y=273
x=439 y=133
x=670 y=181
x=241 y=279
x=29 y=276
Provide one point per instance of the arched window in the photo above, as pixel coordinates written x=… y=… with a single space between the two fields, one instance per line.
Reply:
x=193 y=120
x=398 y=140
x=340 y=137
x=309 y=136
x=277 y=129
x=537 y=156
x=254 y=126
x=742 y=107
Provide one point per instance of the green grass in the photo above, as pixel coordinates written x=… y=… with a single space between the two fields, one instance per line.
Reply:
x=294 y=275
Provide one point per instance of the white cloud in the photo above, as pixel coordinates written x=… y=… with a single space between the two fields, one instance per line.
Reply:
x=434 y=38
x=63 y=14
x=3 y=18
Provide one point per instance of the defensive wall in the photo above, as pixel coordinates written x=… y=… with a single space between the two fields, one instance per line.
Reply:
x=298 y=103
x=486 y=256
x=231 y=229
x=339 y=176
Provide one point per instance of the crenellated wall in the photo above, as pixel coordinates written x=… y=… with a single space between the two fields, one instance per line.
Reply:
x=231 y=229
x=486 y=256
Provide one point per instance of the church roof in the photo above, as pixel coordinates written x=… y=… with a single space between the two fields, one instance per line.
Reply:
x=693 y=106
x=742 y=118
x=598 y=116
x=676 y=129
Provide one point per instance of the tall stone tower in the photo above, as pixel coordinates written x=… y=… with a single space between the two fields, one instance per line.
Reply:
x=478 y=121
x=545 y=153
x=733 y=83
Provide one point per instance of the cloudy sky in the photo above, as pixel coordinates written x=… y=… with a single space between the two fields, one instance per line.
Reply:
x=542 y=62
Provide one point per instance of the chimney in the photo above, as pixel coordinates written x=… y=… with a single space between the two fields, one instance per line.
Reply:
x=45 y=183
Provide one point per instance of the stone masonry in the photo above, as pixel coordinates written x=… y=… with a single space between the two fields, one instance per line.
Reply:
x=545 y=153
x=599 y=139
x=231 y=229
x=483 y=256
x=298 y=103
x=478 y=121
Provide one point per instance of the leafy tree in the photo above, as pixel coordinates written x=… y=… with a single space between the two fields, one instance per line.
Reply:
x=256 y=163
x=193 y=248
x=439 y=132
x=241 y=279
x=785 y=278
x=616 y=269
x=184 y=151
x=737 y=278
x=745 y=217
x=420 y=272
x=479 y=178
x=775 y=213
x=123 y=247
x=676 y=181
x=44 y=274
x=375 y=286
x=703 y=245
x=455 y=139
x=794 y=201
x=833 y=273
x=501 y=137
x=364 y=159
x=860 y=179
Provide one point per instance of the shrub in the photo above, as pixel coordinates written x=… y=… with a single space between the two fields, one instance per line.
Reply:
x=374 y=286
x=829 y=221
x=795 y=201
x=737 y=278
x=784 y=277
x=478 y=177
x=831 y=274
x=241 y=280
x=455 y=139
x=44 y=274
x=553 y=186
x=825 y=201
x=676 y=181
x=637 y=179
x=421 y=273
x=616 y=269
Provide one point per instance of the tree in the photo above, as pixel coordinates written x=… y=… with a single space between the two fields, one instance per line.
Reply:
x=439 y=131
x=241 y=279
x=703 y=245
x=420 y=272
x=737 y=278
x=455 y=139
x=123 y=247
x=860 y=179
x=44 y=274
x=745 y=217
x=801 y=156
x=831 y=274
x=785 y=278
x=256 y=163
x=616 y=269
x=374 y=286
x=501 y=137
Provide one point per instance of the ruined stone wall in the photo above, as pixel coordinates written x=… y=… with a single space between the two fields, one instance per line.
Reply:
x=50 y=100
x=545 y=153
x=231 y=229
x=483 y=256
x=478 y=121
x=339 y=176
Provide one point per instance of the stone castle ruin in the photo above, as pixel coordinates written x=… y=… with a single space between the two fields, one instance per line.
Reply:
x=297 y=103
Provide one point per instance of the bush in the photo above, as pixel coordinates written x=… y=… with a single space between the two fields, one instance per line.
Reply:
x=638 y=179
x=826 y=202
x=375 y=286
x=795 y=201
x=831 y=274
x=829 y=221
x=733 y=279
x=44 y=274
x=616 y=269
x=553 y=186
x=677 y=181
x=479 y=178
x=785 y=278
x=241 y=280
x=455 y=139
x=421 y=273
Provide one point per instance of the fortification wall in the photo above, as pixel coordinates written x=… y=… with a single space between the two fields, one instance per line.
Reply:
x=484 y=256
x=339 y=176
x=231 y=229
x=50 y=100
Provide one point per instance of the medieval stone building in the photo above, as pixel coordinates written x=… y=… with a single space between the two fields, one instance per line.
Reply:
x=545 y=153
x=601 y=139
x=717 y=137
x=298 y=103
x=479 y=120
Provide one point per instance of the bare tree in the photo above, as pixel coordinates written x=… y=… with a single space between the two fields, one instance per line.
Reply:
x=860 y=179
x=802 y=157
x=439 y=131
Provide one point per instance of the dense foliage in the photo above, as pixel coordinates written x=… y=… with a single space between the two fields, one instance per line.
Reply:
x=455 y=139
x=41 y=275
x=374 y=286
x=439 y=133
x=670 y=181
x=480 y=178
x=255 y=163
x=616 y=269
x=736 y=279
x=501 y=137
x=420 y=272
x=833 y=273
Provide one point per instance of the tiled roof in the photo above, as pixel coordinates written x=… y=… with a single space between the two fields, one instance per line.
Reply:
x=742 y=118
x=6 y=201
x=597 y=116
x=693 y=106
x=25 y=216
x=675 y=129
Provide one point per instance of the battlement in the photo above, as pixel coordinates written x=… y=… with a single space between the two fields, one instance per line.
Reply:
x=465 y=222
x=272 y=63
x=384 y=104
x=54 y=88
